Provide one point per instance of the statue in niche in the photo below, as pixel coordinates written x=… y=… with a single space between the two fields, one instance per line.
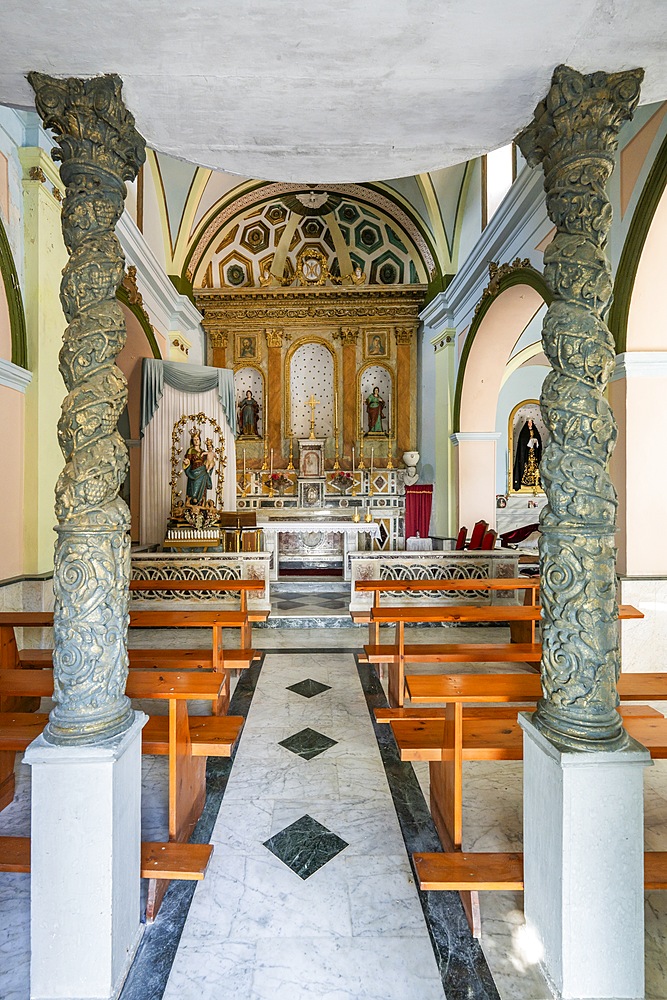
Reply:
x=197 y=466
x=249 y=416
x=526 y=470
x=375 y=411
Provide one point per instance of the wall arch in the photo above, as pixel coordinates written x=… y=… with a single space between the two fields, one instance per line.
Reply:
x=10 y=281
x=493 y=332
x=633 y=248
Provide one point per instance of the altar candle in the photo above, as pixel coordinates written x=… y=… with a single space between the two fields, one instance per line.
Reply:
x=372 y=454
x=244 y=466
x=271 y=472
x=352 y=459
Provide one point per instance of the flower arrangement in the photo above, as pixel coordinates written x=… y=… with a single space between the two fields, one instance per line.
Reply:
x=342 y=481
x=278 y=481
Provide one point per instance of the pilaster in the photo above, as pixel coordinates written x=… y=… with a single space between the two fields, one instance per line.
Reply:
x=274 y=389
x=45 y=258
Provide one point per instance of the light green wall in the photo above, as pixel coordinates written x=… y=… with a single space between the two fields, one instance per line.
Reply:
x=45 y=257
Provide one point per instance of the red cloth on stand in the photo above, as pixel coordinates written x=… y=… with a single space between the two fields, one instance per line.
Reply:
x=418 y=501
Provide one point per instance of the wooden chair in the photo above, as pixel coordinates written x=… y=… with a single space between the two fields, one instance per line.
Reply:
x=477 y=535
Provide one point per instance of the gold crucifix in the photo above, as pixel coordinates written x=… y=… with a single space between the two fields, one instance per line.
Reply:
x=312 y=403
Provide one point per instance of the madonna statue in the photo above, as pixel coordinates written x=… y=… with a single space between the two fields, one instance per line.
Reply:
x=197 y=466
x=526 y=471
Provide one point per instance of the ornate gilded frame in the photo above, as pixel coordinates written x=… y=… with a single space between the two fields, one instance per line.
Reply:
x=510 y=449
x=197 y=420
x=309 y=339
x=375 y=363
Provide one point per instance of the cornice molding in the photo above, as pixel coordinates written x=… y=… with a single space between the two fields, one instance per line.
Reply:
x=168 y=309
x=461 y=436
x=640 y=364
x=399 y=305
x=437 y=315
x=13 y=376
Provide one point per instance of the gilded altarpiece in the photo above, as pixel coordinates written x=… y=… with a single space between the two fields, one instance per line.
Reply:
x=362 y=329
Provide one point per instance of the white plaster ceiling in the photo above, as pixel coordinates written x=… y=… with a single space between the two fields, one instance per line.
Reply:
x=330 y=90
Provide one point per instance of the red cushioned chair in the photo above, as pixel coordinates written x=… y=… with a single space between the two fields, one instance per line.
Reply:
x=461 y=539
x=478 y=534
x=489 y=539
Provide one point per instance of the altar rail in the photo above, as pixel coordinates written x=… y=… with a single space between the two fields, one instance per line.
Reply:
x=232 y=566
x=435 y=565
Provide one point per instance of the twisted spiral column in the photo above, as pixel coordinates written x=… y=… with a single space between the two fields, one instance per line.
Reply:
x=574 y=135
x=99 y=149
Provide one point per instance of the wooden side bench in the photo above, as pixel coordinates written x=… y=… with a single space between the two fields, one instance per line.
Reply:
x=164 y=861
x=187 y=741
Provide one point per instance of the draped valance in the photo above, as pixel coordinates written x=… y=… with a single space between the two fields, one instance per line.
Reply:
x=185 y=378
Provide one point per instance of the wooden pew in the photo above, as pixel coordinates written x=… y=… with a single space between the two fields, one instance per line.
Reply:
x=400 y=616
x=459 y=734
x=216 y=586
x=187 y=741
x=159 y=860
x=378 y=587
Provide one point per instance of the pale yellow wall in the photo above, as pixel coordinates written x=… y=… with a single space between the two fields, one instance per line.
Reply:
x=45 y=257
x=11 y=536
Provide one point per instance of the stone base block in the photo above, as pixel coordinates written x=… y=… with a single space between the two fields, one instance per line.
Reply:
x=584 y=866
x=85 y=866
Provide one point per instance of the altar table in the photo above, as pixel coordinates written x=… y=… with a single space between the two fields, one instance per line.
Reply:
x=308 y=539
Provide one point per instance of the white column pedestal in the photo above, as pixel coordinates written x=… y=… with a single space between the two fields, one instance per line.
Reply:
x=583 y=818
x=85 y=866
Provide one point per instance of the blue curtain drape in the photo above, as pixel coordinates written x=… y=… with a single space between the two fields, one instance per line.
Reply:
x=186 y=378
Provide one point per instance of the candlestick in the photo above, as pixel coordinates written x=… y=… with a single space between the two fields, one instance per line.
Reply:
x=361 y=454
x=352 y=459
x=290 y=467
x=265 y=456
x=372 y=458
x=271 y=472
x=390 y=460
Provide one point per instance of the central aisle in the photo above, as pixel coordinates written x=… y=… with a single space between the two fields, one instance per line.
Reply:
x=348 y=928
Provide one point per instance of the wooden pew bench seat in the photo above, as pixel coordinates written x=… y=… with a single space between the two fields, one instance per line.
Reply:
x=158 y=659
x=457 y=652
x=158 y=860
x=387 y=715
x=458 y=871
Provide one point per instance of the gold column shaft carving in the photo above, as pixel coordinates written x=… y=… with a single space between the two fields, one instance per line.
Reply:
x=99 y=149
x=574 y=135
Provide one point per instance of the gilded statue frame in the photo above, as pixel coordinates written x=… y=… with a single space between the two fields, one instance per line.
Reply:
x=197 y=422
x=525 y=490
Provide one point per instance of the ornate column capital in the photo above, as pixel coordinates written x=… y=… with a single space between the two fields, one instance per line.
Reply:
x=274 y=337
x=574 y=136
x=348 y=335
x=218 y=338
x=99 y=149
x=404 y=334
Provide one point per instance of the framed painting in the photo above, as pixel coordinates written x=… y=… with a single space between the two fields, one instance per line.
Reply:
x=246 y=347
x=376 y=343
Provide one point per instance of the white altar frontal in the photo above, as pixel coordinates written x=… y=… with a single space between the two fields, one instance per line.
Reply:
x=305 y=540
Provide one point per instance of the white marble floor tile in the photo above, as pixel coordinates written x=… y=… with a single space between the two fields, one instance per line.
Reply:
x=355 y=927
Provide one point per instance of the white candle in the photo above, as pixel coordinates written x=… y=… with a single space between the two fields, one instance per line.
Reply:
x=271 y=472
x=372 y=454
x=352 y=459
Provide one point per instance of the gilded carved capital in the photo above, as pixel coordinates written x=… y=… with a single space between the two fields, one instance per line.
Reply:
x=218 y=338
x=404 y=334
x=574 y=136
x=348 y=335
x=274 y=338
x=99 y=150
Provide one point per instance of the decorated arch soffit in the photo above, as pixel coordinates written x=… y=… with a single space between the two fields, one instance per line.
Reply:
x=501 y=278
x=235 y=244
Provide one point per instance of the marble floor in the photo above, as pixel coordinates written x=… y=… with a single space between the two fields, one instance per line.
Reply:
x=310 y=893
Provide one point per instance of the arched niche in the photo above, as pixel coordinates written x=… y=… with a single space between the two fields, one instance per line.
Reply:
x=375 y=375
x=14 y=339
x=311 y=369
x=250 y=378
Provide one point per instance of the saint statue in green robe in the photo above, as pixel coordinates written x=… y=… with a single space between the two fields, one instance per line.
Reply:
x=375 y=410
